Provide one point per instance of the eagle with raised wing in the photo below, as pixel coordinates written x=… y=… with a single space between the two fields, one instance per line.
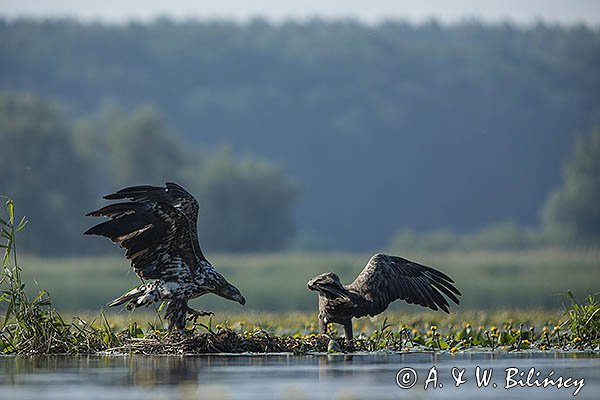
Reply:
x=157 y=227
x=384 y=279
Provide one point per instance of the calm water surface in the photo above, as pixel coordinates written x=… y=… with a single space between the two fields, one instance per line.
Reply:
x=283 y=376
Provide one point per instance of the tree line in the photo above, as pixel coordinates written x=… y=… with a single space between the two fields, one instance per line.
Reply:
x=56 y=169
x=382 y=127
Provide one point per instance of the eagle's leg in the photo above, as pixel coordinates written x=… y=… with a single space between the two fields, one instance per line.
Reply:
x=348 y=332
x=322 y=325
x=176 y=313
x=195 y=314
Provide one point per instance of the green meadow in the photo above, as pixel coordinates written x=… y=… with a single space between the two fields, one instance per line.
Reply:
x=277 y=282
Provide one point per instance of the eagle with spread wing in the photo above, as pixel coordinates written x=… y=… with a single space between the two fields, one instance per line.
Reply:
x=157 y=227
x=384 y=279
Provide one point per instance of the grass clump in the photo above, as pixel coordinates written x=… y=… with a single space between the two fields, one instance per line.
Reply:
x=26 y=323
x=32 y=325
x=584 y=320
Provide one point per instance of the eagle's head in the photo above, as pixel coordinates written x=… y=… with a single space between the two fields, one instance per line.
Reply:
x=327 y=284
x=227 y=290
x=232 y=293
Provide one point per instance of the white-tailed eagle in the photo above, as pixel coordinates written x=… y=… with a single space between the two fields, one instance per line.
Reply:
x=384 y=279
x=157 y=227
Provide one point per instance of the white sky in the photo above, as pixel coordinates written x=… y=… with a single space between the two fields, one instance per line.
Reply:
x=519 y=11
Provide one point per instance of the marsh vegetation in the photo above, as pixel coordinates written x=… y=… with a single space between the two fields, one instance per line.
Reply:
x=32 y=325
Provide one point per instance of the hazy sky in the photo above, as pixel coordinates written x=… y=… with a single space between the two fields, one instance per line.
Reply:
x=520 y=11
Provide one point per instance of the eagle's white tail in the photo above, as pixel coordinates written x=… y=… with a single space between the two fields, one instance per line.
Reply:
x=129 y=296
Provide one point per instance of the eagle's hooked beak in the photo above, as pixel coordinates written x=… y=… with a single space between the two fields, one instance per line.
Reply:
x=237 y=297
x=324 y=284
x=230 y=292
x=240 y=299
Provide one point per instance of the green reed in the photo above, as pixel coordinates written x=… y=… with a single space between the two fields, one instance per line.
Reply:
x=33 y=325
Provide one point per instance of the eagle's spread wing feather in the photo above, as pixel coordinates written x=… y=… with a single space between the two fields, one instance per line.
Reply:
x=157 y=228
x=171 y=194
x=387 y=278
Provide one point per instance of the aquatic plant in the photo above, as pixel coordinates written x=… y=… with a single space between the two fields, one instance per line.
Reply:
x=27 y=324
x=583 y=320
x=33 y=326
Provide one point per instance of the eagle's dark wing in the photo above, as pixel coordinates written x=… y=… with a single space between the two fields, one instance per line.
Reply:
x=155 y=229
x=387 y=278
x=171 y=194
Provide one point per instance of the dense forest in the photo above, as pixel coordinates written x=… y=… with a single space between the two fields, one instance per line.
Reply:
x=360 y=131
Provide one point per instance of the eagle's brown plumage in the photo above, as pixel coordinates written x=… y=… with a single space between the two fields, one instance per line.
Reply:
x=384 y=279
x=157 y=227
